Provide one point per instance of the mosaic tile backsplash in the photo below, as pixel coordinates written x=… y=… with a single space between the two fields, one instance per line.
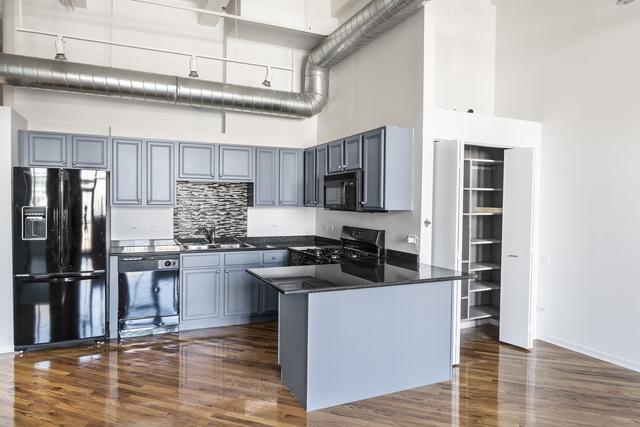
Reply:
x=223 y=205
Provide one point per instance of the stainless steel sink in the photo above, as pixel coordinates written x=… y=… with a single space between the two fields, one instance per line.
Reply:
x=202 y=247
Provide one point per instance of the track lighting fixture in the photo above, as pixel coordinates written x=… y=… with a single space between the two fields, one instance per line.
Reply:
x=267 y=78
x=60 y=49
x=193 y=70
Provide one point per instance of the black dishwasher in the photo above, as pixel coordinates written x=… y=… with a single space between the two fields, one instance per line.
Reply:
x=148 y=295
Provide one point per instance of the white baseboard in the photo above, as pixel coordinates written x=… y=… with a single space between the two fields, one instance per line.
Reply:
x=634 y=366
x=6 y=349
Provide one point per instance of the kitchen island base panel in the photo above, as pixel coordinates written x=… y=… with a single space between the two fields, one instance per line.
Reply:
x=341 y=347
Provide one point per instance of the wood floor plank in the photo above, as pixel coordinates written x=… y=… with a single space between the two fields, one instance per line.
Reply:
x=229 y=376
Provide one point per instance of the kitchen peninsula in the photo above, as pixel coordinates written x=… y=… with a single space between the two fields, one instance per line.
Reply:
x=349 y=332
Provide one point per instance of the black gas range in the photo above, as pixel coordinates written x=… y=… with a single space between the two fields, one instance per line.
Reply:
x=359 y=245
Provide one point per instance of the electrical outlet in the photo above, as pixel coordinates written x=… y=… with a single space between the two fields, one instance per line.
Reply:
x=541 y=309
x=545 y=261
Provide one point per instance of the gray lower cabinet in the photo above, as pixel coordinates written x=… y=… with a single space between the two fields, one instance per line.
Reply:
x=49 y=149
x=241 y=292
x=235 y=163
x=279 y=180
x=126 y=183
x=216 y=290
x=197 y=161
x=200 y=296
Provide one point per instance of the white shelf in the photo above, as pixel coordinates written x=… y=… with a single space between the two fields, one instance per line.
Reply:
x=482 y=213
x=485 y=161
x=482 y=189
x=482 y=312
x=483 y=286
x=483 y=266
x=483 y=241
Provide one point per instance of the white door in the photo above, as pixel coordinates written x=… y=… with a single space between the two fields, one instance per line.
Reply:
x=446 y=242
x=517 y=241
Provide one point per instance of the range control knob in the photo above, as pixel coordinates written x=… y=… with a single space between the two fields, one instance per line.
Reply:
x=167 y=263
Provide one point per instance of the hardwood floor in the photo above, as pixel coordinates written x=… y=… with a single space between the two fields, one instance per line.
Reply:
x=229 y=376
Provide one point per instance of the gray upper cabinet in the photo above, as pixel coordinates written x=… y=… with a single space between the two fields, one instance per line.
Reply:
x=290 y=178
x=161 y=183
x=200 y=297
x=279 y=180
x=310 y=182
x=335 y=156
x=321 y=172
x=46 y=149
x=126 y=184
x=236 y=163
x=89 y=152
x=241 y=292
x=266 y=186
x=388 y=169
x=373 y=170
x=197 y=161
x=352 y=153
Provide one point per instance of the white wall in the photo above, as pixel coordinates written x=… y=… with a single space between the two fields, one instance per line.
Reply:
x=9 y=122
x=465 y=37
x=575 y=64
x=380 y=84
x=154 y=26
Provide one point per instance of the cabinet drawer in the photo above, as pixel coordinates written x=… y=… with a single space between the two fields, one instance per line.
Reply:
x=274 y=257
x=200 y=260
x=243 y=258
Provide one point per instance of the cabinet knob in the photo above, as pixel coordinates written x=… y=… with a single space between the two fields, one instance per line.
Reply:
x=139 y=200
x=273 y=257
x=75 y=163
x=364 y=202
x=62 y=162
x=273 y=201
x=218 y=271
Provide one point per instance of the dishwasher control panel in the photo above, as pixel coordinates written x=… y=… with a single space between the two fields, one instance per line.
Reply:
x=168 y=264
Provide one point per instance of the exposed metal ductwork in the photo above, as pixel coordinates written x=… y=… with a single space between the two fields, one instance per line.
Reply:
x=371 y=21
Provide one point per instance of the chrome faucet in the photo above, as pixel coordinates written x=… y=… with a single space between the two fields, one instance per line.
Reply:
x=209 y=233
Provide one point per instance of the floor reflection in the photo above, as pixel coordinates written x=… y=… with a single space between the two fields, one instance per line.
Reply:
x=229 y=376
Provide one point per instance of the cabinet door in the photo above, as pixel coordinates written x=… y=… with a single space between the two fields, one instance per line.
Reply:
x=197 y=161
x=161 y=183
x=291 y=180
x=310 y=184
x=373 y=170
x=236 y=163
x=266 y=193
x=127 y=172
x=268 y=299
x=335 y=156
x=241 y=292
x=89 y=152
x=517 y=239
x=47 y=149
x=321 y=172
x=353 y=152
x=200 y=294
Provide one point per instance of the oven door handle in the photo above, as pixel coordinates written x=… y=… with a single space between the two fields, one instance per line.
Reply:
x=343 y=198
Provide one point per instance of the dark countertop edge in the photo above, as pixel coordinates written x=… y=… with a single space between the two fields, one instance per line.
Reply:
x=275 y=243
x=363 y=285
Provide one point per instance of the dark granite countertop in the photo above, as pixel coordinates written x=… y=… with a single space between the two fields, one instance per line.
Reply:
x=146 y=247
x=336 y=277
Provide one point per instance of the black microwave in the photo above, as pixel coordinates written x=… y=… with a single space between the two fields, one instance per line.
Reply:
x=343 y=192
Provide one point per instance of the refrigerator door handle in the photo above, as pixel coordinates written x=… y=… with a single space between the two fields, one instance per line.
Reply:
x=55 y=276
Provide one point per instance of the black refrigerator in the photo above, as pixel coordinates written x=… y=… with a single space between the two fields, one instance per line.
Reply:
x=59 y=256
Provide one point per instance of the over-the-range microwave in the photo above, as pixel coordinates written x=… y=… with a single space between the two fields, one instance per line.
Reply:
x=343 y=192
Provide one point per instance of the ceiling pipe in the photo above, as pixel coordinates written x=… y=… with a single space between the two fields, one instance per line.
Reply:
x=377 y=17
